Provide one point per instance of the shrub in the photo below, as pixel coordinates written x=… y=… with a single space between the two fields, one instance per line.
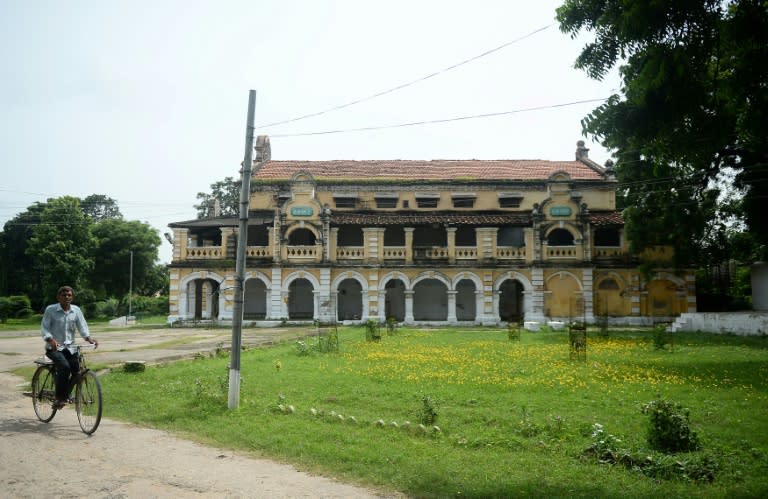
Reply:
x=429 y=410
x=661 y=337
x=18 y=307
x=149 y=305
x=669 y=427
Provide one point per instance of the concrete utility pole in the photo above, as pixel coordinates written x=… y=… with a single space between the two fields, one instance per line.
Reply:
x=242 y=242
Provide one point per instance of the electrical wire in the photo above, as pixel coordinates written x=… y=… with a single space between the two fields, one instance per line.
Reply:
x=443 y=120
x=408 y=84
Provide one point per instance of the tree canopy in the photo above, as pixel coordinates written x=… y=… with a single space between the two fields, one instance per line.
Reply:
x=693 y=104
x=226 y=192
x=83 y=243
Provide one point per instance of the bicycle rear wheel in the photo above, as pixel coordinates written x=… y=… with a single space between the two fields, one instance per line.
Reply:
x=44 y=393
x=88 y=402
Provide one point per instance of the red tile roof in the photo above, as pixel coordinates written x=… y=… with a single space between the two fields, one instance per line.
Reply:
x=603 y=218
x=374 y=219
x=466 y=170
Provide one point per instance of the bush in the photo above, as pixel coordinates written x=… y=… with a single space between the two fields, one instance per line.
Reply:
x=149 y=305
x=669 y=427
x=18 y=307
x=106 y=308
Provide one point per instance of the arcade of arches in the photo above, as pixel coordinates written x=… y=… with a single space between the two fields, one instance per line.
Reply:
x=434 y=298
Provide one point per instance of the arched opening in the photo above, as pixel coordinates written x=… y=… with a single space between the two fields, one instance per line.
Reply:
x=430 y=300
x=560 y=237
x=511 y=301
x=394 y=300
x=350 y=300
x=563 y=298
x=301 y=300
x=465 y=300
x=204 y=299
x=255 y=300
x=608 y=298
x=301 y=237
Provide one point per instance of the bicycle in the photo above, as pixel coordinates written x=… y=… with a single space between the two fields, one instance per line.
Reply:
x=88 y=401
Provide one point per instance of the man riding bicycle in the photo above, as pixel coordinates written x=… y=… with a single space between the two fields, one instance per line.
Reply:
x=58 y=326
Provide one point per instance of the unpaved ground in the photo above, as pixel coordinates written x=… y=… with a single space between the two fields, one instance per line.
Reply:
x=124 y=461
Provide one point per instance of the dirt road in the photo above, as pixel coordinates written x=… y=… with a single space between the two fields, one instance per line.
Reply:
x=124 y=461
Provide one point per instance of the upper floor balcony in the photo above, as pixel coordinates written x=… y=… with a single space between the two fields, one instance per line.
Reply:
x=448 y=246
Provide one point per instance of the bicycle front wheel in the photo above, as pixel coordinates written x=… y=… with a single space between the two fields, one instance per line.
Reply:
x=44 y=393
x=88 y=402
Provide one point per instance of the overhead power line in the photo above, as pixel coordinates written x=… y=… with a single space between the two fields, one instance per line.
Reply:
x=444 y=120
x=408 y=84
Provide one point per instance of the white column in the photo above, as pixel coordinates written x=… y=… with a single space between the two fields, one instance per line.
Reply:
x=452 y=306
x=277 y=308
x=409 y=306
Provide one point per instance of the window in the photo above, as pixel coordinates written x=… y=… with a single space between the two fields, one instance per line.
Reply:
x=428 y=200
x=386 y=200
x=345 y=200
x=607 y=237
x=510 y=199
x=463 y=200
x=510 y=236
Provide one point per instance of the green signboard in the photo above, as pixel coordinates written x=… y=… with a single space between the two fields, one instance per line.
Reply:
x=560 y=211
x=301 y=211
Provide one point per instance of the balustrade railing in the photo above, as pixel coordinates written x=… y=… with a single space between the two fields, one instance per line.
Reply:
x=394 y=253
x=349 y=252
x=510 y=252
x=301 y=252
x=204 y=252
x=555 y=252
x=464 y=253
x=430 y=253
x=608 y=252
x=258 y=252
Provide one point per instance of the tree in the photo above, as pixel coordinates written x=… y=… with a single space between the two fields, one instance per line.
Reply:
x=61 y=246
x=227 y=192
x=17 y=270
x=693 y=103
x=100 y=207
x=115 y=240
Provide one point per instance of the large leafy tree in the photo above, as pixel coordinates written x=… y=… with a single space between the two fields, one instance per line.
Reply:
x=100 y=207
x=18 y=275
x=61 y=246
x=226 y=192
x=115 y=240
x=693 y=103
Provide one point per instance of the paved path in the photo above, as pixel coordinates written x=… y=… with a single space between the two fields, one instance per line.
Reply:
x=124 y=461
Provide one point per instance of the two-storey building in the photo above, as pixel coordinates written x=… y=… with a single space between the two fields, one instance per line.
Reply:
x=442 y=241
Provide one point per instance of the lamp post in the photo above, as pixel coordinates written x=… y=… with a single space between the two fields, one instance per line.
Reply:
x=130 y=288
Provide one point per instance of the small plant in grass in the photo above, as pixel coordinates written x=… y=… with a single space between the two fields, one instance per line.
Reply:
x=527 y=427
x=661 y=338
x=303 y=349
x=602 y=326
x=669 y=428
x=429 y=411
x=282 y=407
x=372 y=332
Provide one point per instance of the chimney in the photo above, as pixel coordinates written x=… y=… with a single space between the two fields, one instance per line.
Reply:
x=581 y=151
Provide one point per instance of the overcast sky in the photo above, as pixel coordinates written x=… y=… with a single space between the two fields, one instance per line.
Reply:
x=146 y=101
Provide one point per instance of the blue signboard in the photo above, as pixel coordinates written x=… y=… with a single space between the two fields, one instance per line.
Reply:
x=301 y=211
x=560 y=211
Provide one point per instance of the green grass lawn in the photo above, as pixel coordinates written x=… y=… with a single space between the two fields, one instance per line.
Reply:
x=514 y=418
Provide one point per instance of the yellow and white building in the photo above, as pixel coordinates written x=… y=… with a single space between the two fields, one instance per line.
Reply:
x=435 y=242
